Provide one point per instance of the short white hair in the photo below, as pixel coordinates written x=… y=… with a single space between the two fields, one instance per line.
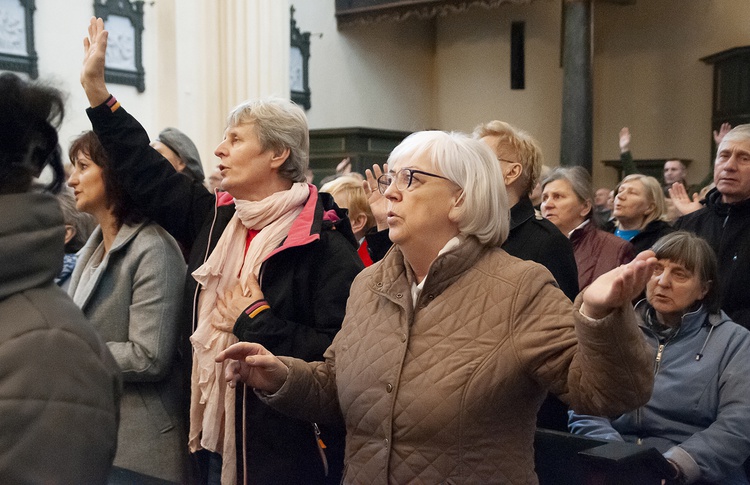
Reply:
x=471 y=165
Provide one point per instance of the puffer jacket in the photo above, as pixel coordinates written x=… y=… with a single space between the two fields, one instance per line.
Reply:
x=446 y=389
x=699 y=413
x=597 y=252
x=59 y=385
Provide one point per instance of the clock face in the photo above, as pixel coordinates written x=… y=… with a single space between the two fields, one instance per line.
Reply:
x=296 y=67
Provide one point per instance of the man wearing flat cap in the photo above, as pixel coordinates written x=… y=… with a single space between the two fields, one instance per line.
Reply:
x=181 y=152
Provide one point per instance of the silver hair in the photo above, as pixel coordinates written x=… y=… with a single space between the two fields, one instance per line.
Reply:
x=579 y=180
x=279 y=124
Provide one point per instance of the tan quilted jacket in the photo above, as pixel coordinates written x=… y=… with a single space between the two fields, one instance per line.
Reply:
x=448 y=393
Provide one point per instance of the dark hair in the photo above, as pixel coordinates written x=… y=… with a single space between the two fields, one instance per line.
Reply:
x=697 y=256
x=123 y=207
x=30 y=114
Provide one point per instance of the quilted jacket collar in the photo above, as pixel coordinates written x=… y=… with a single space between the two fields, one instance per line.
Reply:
x=393 y=278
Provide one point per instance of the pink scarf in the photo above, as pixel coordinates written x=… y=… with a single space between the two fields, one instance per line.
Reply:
x=212 y=400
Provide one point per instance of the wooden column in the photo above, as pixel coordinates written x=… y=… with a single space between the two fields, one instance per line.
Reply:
x=577 y=124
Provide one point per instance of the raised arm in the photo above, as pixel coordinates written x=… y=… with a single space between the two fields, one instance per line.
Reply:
x=174 y=201
x=378 y=242
x=92 y=72
x=626 y=157
x=618 y=287
x=681 y=200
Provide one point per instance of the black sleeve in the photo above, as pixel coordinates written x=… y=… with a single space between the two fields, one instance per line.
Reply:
x=378 y=244
x=559 y=259
x=336 y=264
x=174 y=201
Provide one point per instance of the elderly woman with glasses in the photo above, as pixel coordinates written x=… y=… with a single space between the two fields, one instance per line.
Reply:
x=449 y=344
x=698 y=413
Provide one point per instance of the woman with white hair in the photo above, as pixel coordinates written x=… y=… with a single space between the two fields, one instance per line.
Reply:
x=449 y=344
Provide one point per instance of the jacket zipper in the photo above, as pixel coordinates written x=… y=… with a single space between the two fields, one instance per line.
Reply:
x=205 y=258
x=657 y=363
x=321 y=448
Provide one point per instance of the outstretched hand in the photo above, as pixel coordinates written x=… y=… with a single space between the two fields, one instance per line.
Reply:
x=253 y=365
x=618 y=287
x=92 y=72
x=681 y=201
x=624 y=139
x=378 y=202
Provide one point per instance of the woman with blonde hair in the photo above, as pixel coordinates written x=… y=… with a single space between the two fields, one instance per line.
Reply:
x=640 y=211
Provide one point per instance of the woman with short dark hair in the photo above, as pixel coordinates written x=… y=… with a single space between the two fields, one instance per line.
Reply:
x=698 y=413
x=128 y=281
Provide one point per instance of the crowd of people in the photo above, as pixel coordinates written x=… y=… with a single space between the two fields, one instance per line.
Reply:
x=412 y=324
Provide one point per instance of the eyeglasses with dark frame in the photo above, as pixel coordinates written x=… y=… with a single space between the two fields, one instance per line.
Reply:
x=403 y=178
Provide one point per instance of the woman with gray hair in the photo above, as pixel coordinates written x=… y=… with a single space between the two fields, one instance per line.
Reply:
x=697 y=416
x=449 y=344
x=567 y=202
x=270 y=260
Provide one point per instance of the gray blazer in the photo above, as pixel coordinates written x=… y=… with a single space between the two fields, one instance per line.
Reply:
x=132 y=298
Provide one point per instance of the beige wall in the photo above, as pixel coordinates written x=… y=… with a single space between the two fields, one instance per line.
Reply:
x=454 y=72
x=448 y=73
x=376 y=76
x=649 y=76
x=473 y=71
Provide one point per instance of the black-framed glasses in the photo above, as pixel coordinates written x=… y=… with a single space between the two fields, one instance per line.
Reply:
x=403 y=179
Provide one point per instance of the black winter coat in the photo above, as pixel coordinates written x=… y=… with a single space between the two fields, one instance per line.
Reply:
x=726 y=227
x=649 y=235
x=306 y=285
x=534 y=238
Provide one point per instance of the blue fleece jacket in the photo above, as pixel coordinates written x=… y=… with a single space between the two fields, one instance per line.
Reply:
x=699 y=413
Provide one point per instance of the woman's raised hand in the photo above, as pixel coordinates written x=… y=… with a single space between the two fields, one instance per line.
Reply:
x=618 y=286
x=255 y=366
x=92 y=72
x=378 y=202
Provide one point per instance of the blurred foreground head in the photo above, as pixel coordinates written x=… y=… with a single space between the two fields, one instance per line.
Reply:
x=30 y=114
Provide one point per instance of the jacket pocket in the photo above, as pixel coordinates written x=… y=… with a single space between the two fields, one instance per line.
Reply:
x=155 y=407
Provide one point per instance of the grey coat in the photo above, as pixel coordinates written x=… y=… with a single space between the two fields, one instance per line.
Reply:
x=132 y=298
x=59 y=386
